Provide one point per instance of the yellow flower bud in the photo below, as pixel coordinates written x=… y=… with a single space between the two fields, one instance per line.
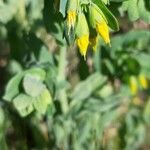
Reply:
x=143 y=81
x=71 y=9
x=71 y=19
x=103 y=30
x=133 y=85
x=98 y=21
x=82 y=34
x=83 y=43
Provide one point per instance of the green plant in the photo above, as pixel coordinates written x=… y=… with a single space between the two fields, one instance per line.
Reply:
x=51 y=97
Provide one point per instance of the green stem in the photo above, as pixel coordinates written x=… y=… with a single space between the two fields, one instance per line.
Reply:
x=97 y=59
x=62 y=64
x=61 y=78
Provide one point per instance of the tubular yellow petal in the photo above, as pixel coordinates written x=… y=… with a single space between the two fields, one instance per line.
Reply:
x=143 y=81
x=103 y=30
x=133 y=85
x=83 y=43
x=71 y=18
x=82 y=34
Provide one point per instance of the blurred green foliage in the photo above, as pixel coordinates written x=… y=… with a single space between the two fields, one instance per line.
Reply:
x=51 y=98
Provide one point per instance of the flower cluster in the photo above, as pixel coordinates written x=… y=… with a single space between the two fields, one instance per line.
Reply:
x=88 y=23
x=135 y=83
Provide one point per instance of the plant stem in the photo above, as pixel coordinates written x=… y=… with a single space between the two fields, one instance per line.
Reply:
x=97 y=59
x=61 y=78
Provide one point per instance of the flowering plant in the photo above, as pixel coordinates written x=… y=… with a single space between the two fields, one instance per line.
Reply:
x=52 y=98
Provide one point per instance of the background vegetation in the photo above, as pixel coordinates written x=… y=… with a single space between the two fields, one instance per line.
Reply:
x=51 y=98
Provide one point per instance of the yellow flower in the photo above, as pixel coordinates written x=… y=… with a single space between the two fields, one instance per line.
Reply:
x=103 y=30
x=82 y=34
x=93 y=42
x=98 y=21
x=71 y=19
x=83 y=43
x=143 y=81
x=133 y=85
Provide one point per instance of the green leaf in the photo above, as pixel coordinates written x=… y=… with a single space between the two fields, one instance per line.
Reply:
x=32 y=85
x=6 y=15
x=108 y=117
x=133 y=10
x=14 y=67
x=137 y=9
x=45 y=56
x=12 y=88
x=143 y=12
x=42 y=101
x=23 y=104
x=35 y=9
x=84 y=89
x=37 y=73
x=62 y=7
x=112 y=21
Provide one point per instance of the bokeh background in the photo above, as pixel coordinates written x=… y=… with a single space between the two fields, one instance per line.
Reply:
x=51 y=98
